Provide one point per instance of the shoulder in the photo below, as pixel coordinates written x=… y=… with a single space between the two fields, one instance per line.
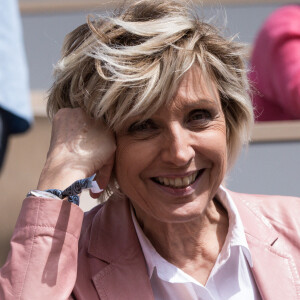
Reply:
x=265 y=199
x=90 y=215
x=268 y=204
x=88 y=220
x=114 y=205
x=103 y=217
x=280 y=211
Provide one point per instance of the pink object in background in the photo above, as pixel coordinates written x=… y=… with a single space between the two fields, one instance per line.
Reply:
x=275 y=66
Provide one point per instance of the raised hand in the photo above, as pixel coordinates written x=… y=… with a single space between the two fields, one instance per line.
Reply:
x=79 y=147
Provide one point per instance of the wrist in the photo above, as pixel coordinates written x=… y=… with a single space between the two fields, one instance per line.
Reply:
x=59 y=175
x=71 y=193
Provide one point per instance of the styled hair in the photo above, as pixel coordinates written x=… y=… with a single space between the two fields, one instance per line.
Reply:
x=132 y=62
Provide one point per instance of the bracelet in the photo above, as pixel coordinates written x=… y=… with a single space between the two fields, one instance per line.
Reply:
x=71 y=193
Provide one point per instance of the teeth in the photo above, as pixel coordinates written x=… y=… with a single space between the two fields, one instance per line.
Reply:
x=186 y=181
x=178 y=182
x=166 y=181
x=194 y=176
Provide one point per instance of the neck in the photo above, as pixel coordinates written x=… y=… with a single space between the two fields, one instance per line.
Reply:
x=192 y=246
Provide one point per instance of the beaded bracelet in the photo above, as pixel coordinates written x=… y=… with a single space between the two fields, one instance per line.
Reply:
x=71 y=193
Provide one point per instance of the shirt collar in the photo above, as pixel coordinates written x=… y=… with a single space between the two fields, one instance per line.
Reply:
x=148 y=250
x=235 y=237
x=236 y=234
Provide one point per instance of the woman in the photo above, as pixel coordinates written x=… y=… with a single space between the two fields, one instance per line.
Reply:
x=155 y=103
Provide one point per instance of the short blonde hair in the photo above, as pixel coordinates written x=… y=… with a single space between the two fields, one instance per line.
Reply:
x=131 y=63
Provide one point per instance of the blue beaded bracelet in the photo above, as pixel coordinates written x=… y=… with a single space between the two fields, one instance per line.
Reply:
x=60 y=194
x=72 y=192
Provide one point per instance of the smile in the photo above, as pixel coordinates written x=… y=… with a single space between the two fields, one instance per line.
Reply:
x=177 y=182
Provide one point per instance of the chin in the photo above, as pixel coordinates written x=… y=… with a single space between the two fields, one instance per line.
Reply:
x=180 y=213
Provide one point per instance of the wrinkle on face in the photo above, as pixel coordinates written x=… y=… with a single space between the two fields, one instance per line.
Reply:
x=189 y=231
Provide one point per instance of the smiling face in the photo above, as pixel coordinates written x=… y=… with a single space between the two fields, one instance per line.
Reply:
x=171 y=165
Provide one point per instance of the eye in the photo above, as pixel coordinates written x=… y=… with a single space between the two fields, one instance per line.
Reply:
x=200 y=115
x=144 y=126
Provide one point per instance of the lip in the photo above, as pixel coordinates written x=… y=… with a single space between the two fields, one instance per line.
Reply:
x=180 y=192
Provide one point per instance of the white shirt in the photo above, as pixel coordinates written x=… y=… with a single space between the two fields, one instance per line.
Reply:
x=231 y=277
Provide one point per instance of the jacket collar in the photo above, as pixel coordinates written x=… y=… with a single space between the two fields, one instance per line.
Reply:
x=125 y=275
x=274 y=269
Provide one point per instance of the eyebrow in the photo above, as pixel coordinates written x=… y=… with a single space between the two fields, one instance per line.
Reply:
x=191 y=102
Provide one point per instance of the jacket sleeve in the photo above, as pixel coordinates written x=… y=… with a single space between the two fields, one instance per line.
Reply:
x=42 y=263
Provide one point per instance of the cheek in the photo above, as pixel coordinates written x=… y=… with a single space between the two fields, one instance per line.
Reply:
x=216 y=149
x=220 y=154
x=123 y=160
x=124 y=173
x=132 y=159
x=219 y=150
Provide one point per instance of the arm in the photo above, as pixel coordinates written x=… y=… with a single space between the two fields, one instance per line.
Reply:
x=42 y=260
x=42 y=263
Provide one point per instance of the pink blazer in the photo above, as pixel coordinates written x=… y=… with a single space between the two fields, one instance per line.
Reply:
x=47 y=262
x=275 y=65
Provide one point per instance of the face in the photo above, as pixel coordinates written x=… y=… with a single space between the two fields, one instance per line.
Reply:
x=171 y=165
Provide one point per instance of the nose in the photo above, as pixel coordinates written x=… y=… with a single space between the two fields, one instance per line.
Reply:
x=177 y=147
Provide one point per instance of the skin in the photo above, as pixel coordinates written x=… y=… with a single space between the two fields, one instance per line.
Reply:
x=79 y=147
x=186 y=225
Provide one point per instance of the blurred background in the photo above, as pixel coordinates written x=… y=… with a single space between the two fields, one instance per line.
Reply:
x=269 y=165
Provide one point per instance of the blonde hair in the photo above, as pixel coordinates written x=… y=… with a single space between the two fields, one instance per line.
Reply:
x=130 y=64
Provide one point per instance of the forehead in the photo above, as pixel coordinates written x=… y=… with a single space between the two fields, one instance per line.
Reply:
x=193 y=90
x=196 y=86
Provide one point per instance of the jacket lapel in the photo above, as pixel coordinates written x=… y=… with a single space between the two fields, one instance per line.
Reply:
x=123 y=273
x=114 y=241
x=274 y=269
